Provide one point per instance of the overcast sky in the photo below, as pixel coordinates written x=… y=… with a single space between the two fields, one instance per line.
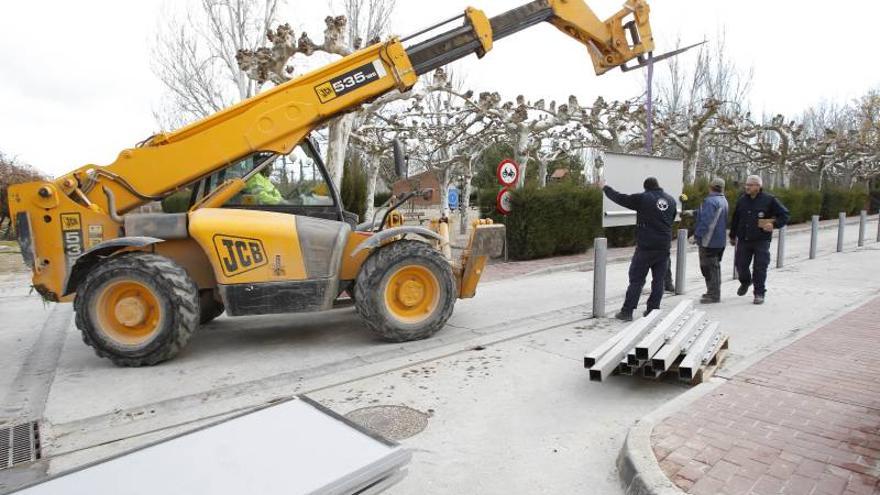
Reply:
x=76 y=85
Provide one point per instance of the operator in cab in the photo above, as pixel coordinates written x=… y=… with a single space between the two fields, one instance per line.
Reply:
x=262 y=190
x=655 y=214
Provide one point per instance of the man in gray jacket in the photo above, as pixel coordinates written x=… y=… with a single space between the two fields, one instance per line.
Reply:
x=710 y=237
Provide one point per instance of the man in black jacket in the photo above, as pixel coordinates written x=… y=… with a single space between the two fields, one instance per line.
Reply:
x=655 y=213
x=751 y=230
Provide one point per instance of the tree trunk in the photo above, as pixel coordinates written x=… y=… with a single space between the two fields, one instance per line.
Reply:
x=542 y=173
x=372 y=179
x=782 y=176
x=520 y=153
x=690 y=167
x=443 y=179
x=339 y=134
x=465 y=203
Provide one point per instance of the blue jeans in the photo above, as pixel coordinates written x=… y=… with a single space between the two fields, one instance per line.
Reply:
x=759 y=251
x=642 y=261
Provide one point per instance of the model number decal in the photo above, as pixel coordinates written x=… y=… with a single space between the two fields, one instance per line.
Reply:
x=71 y=235
x=238 y=255
x=349 y=81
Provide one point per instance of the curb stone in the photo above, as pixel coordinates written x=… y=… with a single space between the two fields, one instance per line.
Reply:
x=639 y=470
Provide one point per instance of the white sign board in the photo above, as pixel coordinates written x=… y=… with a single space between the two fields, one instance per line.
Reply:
x=627 y=174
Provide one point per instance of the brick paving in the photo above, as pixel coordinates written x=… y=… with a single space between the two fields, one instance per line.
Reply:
x=804 y=420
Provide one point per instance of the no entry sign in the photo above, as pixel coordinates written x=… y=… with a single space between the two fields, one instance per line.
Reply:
x=508 y=173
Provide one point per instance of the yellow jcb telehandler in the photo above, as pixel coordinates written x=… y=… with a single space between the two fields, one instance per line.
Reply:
x=141 y=283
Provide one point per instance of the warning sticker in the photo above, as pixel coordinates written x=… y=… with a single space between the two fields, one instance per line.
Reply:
x=96 y=235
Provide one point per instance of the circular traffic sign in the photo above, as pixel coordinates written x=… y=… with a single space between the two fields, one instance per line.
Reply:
x=503 y=202
x=452 y=197
x=507 y=173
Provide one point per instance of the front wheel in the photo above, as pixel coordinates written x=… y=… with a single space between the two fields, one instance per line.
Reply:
x=137 y=309
x=405 y=291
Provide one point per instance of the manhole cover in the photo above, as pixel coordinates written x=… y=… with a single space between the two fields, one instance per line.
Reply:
x=392 y=422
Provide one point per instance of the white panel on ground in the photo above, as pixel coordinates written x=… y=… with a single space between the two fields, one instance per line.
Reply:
x=627 y=174
x=296 y=447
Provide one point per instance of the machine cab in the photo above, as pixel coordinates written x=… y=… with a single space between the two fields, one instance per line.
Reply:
x=296 y=184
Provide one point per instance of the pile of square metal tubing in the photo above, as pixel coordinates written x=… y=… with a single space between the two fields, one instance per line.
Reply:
x=681 y=343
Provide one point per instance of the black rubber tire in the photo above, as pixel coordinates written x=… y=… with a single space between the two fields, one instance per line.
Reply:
x=209 y=307
x=369 y=290
x=178 y=296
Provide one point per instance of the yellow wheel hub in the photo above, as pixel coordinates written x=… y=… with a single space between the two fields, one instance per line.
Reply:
x=412 y=294
x=128 y=312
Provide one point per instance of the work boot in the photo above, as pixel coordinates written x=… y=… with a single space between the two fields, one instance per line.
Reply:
x=758 y=299
x=707 y=299
x=670 y=288
x=743 y=288
x=624 y=315
x=648 y=311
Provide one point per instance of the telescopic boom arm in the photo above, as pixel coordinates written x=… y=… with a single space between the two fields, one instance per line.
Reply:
x=278 y=119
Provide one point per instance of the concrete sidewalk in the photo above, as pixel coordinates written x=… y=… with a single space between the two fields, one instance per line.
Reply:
x=802 y=420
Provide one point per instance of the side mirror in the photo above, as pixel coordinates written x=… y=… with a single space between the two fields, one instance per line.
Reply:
x=400 y=167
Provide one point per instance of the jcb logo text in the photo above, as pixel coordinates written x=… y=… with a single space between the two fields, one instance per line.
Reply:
x=239 y=254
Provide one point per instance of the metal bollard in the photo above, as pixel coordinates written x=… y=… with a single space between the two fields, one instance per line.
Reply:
x=814 y=237
x=840 y=228
x=600 y=259
x=863 y=224
x=681 y=262
x=780 y=248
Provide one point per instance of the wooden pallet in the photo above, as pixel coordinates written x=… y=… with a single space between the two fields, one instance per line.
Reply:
x=708 y=370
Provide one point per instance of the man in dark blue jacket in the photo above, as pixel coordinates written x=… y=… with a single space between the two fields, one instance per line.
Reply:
x=754 y=218
x=655 y=213
x=709 y=236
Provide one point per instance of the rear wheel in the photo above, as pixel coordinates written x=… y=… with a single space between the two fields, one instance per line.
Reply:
x=137 y=309
x=405 y=291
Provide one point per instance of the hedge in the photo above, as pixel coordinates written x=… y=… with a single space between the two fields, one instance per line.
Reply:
x=558 y=219
x=564 y=218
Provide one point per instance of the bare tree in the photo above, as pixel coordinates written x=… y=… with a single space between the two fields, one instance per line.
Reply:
x=363 y=20
x=696 y=102
x=194 y=56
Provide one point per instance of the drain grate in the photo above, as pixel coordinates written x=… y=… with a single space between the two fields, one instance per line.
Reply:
x=19 y=444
